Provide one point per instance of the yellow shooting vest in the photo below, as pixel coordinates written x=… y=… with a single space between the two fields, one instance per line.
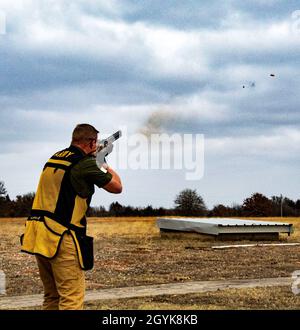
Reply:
x=56 y=209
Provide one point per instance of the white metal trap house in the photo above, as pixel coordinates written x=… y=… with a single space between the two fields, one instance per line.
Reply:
x=225 y=226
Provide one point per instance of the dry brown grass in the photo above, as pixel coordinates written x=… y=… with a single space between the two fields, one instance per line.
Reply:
x=130 y=226
x=130 y=251
x=125 y=226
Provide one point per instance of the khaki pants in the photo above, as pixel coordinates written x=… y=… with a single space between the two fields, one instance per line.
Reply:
x=62 y=277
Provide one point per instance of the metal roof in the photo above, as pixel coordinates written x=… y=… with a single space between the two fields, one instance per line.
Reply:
x=216 y=226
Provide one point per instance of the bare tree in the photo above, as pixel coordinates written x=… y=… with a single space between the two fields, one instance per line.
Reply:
x=189 y=203
x=4 y=201
x=3 y=191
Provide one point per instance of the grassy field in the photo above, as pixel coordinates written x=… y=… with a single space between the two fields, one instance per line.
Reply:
x=131 y=251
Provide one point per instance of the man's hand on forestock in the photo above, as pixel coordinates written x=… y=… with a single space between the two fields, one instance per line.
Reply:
x=102 y=152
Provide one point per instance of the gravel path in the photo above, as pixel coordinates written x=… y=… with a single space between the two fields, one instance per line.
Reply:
x=27 y=301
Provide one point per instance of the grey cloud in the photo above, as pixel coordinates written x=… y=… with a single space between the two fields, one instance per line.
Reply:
x=190 y=14
x=194 y=14
x=266 y=10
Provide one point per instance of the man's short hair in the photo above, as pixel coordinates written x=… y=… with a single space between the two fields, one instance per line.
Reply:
x=83 y=133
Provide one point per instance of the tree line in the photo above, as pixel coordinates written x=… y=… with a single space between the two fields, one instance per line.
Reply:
x=187 y=203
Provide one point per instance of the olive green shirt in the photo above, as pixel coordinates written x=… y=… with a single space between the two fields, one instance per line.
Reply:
x=85 y=174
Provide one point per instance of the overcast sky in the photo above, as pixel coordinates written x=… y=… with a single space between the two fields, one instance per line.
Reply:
x=200 y=67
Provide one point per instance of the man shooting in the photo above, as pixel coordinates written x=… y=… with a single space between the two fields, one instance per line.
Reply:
x=55 y=231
